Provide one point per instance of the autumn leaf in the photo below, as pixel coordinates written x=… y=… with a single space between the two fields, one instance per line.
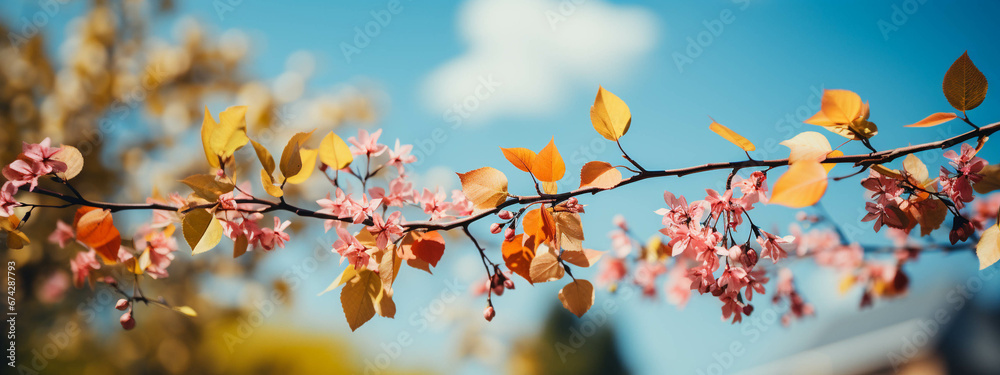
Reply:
x=486 y=187
x=545 y=266
x=832 y=154
x=269 y=186
x=334 y=152
x=266 y=160
x=731 y=136
x=539 y=224
x=990 y=181
x=240 y=246
x=202 y=230
x=388 y=269
x=518 y=254
x=308 y=166
x=932 y=120
x=206 y=186
x=577 y=297
x=548 y=165
x=803 y=185
x=384 y=305
x=358 y=298
x=807 y=146
x=915 y=168
x=582 y=258
x=73 y=159
x=610 y=115
x=186 y=310
x=221 y=139
x=428 y=247
x=550 y=187
x=570 y=230
x=843 y=112
x=988 y=248
x=520 y=157
x=600 y=175
x=964 y=85
x=16 y=239
x=96 y=229
x=345 y=276
x=291 y=158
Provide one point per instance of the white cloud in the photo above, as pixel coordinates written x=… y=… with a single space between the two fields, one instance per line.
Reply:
x=524 y=56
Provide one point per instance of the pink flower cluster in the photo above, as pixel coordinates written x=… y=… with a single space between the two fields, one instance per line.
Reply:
x=241 y=220
x=958 y=185
x=36 y=160
x=797 y=307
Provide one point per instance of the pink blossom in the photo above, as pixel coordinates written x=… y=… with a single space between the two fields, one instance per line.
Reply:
x=678 y=286
x=340 y=207
x=400 y=155
x=400 y=192
x=7 y=201
x=160 y=247
x=612 y=271
x=967 y=168
x=723 y=203
x=271 y=238
x=364 y=209
x=63 y=233
x=367 y=144
x=754 y=188
x=460 y=204
x=386 y=230
x=82 y=264
x=53 y=289
x=645 y=277
x=42 y=153
x=434 y=204
x=356 y=253
x=163 y=218
x=770 y=245
x=21 y=173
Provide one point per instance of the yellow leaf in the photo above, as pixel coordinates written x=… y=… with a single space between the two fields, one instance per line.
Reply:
x=550 y=187
x=932 y=120
x=548 y=165
x=610 y=115
x=807 y=146
x=334 y=152
x=358 y=298
x=266 y=160
x=832 y=154
x=843 y=113
x=206 y=186
x=186 y=310
x=577 y=296
x=15 y=238
x=384 y=305
x=990 y=181
x=486 y=187
x=201 y=230
x=803 y=185
x=521 y=157
x=545 y=266
x=570 y=229
x=73 y=159
x=582 y=258
x=346 y=275
x=599 y=174
x=846 y=283
x=964 y=85
x=308 y=166
x=221 y=140
x=291 y=158
x=731 y=136
x=388 y=269
x=988 y=249
x=269 y=187
x=891 y=173
x=915 y=168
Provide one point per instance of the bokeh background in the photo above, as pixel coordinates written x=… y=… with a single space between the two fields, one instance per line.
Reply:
x=126 y=82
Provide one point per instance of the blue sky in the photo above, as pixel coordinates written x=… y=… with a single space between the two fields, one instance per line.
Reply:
x=754 y=66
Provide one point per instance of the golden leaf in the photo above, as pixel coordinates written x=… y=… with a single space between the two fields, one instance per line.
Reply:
x=803 y=185
x=548 y=165
x=731 y=136
x=610 y=115
x=485 y=187
x=932 y=120
x=964 y=85
x=577 y=296
x=521 y=157
x=600 y=175
x=202 y=230
x=334 y=152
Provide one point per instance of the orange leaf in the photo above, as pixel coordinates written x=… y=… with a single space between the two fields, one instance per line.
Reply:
x=518 y=254
x=935 y=119
x=549 y=165
x=803 y=185
x=539 y=223
x=486 y=187
x=731 y=136
x=521 y=157
x=832 y=154
x=837 y=107
x=546 y=267
x=428 y=247
x=599 y=174
x=964 y=85
x=577 y=297
x=582 y=258
x=96 y=229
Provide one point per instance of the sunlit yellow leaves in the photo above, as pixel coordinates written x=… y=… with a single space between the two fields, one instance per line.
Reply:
x=485 y=187
x=548 y=165
x=16 y=239
x=582 y=258
x=932 y=120
x=600 y=175
x=610 y=115
x=577 y=296
x=207 y=187
x=202 y=230
x=521 y=157
x=990 y=181
x=345 y=276
x=807 y=146
x=546 y=267
x=358 y=298
x=964 y=85
x=269 y=186
x=988 y=248
x=518 y=254
x=266 y=160
x=832 y=154
x=96 y=228
x=801 y=186
x=550 y=187
x=297 y=162
x=731 y=136
x=221 y=139
x=73 y=159
x=843 y=113
x=334 y=152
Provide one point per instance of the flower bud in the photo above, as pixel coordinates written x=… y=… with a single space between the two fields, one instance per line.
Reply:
x=127 y=321
x=747 y=310
x=508 y=235
x=122 y=304
x=495 y=228
x=489 y=313
x=509 y=284
x=505 y=215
